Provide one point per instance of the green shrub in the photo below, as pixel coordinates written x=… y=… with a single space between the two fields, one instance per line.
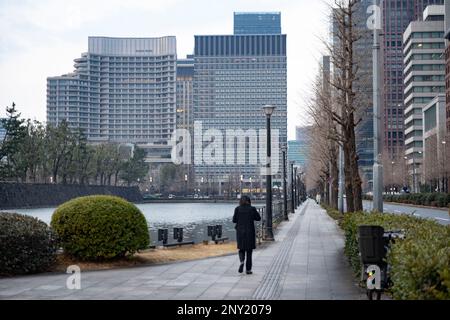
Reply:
x=27 y=245
x=420 y=263
x=441 y=200
x=100 y=227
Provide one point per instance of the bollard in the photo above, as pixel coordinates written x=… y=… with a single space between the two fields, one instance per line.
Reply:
x=178 y=234
x=163 y=235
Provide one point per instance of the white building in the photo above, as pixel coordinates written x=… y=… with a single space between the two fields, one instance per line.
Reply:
x=123 y=90
x=424 y=79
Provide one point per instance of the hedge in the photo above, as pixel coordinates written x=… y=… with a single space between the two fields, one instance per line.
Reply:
x=440 y=200
x=420 y=263
x=27 y=245
x=100 y=227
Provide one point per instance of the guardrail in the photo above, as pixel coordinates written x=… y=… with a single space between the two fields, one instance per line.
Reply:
x=277 y=217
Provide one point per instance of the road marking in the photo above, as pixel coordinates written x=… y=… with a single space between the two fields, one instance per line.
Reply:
x=443 y=219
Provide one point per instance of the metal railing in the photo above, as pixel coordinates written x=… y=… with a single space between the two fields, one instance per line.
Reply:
x=277 y=217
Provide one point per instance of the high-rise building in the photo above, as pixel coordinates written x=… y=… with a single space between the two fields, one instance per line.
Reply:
x=298 y=152
x=424 y=79
x=257 y=23
x=363 y=88
x=447 y=62
x=396 y=16
x=185 y=109
x=123 y=90
x=434 y=143
x=234 y=77
x=2 y=131
x=364 y=131
x=185 y=93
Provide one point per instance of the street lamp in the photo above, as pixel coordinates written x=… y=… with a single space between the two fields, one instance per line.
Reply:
x=377 y=110
x=405 y=173
x=443 y=165
x=296 y=187
x=286 y=213
x=392 y=176
x=415 y=172
x=292 y=187
x=268 y=110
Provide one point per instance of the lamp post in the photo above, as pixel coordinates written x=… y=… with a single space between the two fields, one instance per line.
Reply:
x=240 y=184
x=415 y=172
x=377 y=166
x=185 y=185
x=392 y=176
x=444 y=143
x=405 y=173
x=296 y=188
x=251 y=188
x=286 y=213
x=268 y=110
x=292 y=187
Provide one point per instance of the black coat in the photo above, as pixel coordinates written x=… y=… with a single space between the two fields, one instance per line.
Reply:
x=245 y=217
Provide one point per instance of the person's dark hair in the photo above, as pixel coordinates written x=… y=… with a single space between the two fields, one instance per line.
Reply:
x=245 y=200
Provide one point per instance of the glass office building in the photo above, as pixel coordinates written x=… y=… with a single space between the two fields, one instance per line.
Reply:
x=234 y=77
x=185 y=93
x=257 y=23
x=298 y=152
x=123 y=90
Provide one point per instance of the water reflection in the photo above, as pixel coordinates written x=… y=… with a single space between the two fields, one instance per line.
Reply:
x=193 y=217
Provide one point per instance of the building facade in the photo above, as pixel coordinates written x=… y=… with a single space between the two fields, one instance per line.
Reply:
x=257 y=23
x=185 y=93
x=396 y=16
x=234 y=77
x=447 y=62
x=2 y=130
x=123 y=90
x=434 y=140
x=298 y=152
x=424 y=79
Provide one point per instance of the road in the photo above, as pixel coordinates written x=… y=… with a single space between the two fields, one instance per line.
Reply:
x=440 y=215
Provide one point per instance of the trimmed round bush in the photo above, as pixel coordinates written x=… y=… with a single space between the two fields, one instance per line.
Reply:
x=27 y=245
x=100 y=228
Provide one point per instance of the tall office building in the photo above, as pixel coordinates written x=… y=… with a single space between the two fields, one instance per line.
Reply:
x=257 y=23
x=234 y=77
x=434 y=150
x=424 y=79
x=123 y=90
x=298 y=152
x=185 y=93
x=363 y=88
x=185 y=109
x=396 y=16
x=364 y=131
x=2 y=130
x=447 y=61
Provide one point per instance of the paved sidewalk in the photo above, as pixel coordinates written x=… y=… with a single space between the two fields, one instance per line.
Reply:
x=305 y=262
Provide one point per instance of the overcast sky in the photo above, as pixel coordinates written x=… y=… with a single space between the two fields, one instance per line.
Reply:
x=40 y=38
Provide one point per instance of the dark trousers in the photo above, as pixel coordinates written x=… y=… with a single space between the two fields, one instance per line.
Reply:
x=248 y=259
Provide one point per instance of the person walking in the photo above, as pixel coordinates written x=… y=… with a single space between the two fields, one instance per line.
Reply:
x=244 y=217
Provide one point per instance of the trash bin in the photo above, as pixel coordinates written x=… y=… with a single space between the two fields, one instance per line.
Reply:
x=371 y=244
